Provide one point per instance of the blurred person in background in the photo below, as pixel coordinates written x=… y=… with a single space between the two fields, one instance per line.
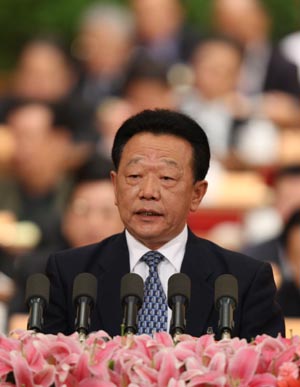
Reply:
x=103 y=46
x=147 y=85
x=289 y=288
x=46 y=72
x=162 y=32
x=266 y=75
x=213 y=101
x=286 y=200
x=109 y=116
x=89 y=217
x=36 y=187
x=216 y=103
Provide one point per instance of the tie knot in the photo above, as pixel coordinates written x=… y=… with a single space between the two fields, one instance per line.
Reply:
x=152 y=258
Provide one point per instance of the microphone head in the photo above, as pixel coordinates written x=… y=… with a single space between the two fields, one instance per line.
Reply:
x=37 y=285
x=179 y=284
x=226 y=285
x=85 y=285
x=132 y=284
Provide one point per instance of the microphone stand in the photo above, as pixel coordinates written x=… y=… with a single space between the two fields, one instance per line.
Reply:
x=82 y=321
x=226 y=334
x=178 y=318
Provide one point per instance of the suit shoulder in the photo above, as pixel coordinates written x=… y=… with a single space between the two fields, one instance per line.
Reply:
x=230 y=258
x=84 y=254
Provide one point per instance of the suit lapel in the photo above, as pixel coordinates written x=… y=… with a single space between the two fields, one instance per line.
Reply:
x=113 y=266
x=199 y=267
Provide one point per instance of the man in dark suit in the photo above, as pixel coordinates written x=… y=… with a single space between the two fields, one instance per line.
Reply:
x=161 y=160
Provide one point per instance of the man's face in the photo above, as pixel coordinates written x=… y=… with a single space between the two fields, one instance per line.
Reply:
x=154 y=187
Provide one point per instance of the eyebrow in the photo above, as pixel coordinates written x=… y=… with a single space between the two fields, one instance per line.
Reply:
x=169 y=162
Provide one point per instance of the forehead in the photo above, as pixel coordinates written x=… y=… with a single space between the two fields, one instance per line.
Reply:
x=157 y=148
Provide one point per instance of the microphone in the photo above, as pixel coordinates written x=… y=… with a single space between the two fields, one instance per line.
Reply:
x=84 y=299
x=36 y=299
x=226 y=299
x=179 y=294
x=132 y=294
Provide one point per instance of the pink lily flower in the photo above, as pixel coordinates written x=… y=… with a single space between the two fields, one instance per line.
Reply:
x=242 y=366
x=167 y=366
x=93 y=382
x=263 y=380
x=22 y=373
x=288 y=370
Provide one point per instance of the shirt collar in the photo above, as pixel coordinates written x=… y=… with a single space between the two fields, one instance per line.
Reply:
x=173 y=250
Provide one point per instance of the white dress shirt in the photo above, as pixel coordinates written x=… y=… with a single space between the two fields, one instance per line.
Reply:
x=173 y=251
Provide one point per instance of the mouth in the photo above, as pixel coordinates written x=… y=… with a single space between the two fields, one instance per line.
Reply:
x=148 y=213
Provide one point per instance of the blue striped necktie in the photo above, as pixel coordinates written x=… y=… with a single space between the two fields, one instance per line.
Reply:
x=153 y=315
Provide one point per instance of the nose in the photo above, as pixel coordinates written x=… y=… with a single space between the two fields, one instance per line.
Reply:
x=149 y=188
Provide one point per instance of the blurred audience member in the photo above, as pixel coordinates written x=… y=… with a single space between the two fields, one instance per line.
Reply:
x=103 y=45
x=289 y=289
x=35 y=190
x=286 y=201
x=89 y=217
x=265 y=69
x=109 y=116
x=91 y=214
x=162 y=33
x=147 y=85
x=214 y=101
x=46 y=72
x=226 y=114
x=266 y=75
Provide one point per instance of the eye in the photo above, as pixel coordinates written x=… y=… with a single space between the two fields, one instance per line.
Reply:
x=167 y=178
x=133 y=178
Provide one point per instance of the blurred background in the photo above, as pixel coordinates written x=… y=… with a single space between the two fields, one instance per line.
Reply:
x=72 y=71
x=22 y=19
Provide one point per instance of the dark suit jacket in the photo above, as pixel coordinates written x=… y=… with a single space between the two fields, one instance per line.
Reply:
x=289 y=298
x=203 y=262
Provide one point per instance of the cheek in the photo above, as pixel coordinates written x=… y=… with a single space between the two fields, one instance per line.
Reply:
x=127 y=192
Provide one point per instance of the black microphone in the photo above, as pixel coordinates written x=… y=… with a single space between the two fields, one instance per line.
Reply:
x=36 y=299
x=226 y=299
x=132 y=294
x=84 y=299
x=179 y=294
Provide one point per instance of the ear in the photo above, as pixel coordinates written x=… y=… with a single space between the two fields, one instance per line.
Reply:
x=113 y=177
x=200 y=188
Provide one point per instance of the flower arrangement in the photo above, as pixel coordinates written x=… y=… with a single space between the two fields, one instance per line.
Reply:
x=28 y=359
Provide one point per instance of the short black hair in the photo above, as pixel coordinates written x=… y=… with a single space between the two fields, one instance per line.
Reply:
x=163 y=121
